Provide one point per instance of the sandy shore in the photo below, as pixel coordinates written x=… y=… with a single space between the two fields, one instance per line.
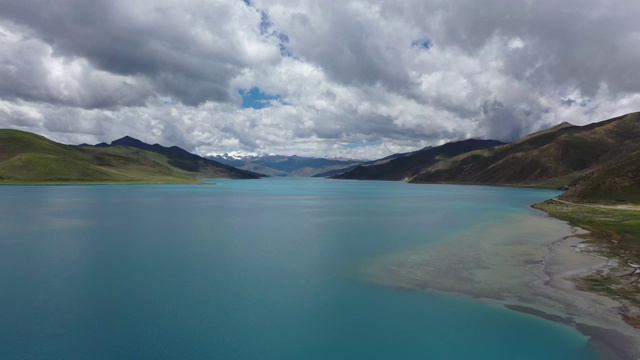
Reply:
x=526 y=265
x=594 y=315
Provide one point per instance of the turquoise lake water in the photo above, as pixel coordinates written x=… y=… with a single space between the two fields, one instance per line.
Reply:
x=260 y=269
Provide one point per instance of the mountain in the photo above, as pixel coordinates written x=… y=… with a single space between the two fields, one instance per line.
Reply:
x=31 y=158
x=279 y=165
x=619 y=182
x=334 y=172
x=404 y=166
x=187 y=161
x=550 y=158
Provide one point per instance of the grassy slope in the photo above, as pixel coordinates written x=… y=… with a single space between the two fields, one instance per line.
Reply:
x=30 y=158
x=181 y=159
x=618 y=182
x=551 y=158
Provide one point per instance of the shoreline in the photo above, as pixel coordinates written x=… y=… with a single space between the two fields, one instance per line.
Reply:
x=594 y=315
x=537 y=278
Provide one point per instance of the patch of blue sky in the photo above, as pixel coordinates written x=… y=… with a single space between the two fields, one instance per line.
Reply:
x=424 y=43
x=579 y=102
x=265 y=22
x=283 y=45
x=265 y=29
x=254 y=98
x=362 y=144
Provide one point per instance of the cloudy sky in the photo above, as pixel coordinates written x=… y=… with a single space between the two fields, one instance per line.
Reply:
x=351 y=78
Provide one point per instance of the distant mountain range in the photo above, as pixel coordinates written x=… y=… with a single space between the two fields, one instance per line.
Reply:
x=596 y=162
x=279 y=165
x=30 y=158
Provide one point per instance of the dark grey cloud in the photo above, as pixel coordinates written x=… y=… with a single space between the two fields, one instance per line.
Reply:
x=350 y=43
x=178 y=47
x=507 y=123
x=574 y=43
x=29 y=71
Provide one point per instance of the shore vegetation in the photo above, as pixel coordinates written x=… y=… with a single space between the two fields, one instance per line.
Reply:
x=614 y=233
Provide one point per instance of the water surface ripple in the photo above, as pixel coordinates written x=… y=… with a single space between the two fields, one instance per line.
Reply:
x=265 y=269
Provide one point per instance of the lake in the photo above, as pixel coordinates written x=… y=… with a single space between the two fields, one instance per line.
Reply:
x=252 y=269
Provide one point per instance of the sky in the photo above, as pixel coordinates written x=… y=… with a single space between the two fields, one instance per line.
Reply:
x=350 y=78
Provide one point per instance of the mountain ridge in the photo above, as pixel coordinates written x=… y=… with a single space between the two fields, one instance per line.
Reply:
x=282 y=165
x=30 y=158
x=594 y=163
x=561 y=153
x=183 y=159
x=406 y=165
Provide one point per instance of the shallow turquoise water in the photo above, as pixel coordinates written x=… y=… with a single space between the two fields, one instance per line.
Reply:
x=248 y=270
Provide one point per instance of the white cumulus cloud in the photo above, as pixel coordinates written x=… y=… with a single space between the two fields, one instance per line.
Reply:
x=354 y=78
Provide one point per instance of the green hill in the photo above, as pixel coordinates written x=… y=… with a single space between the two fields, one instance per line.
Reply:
x=184 y=160
x=33 y=159
x=550 y=158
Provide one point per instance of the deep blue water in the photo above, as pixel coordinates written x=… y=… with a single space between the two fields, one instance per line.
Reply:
x=248 y=270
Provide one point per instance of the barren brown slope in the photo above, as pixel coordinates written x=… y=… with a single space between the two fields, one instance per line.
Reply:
x=554 y=156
